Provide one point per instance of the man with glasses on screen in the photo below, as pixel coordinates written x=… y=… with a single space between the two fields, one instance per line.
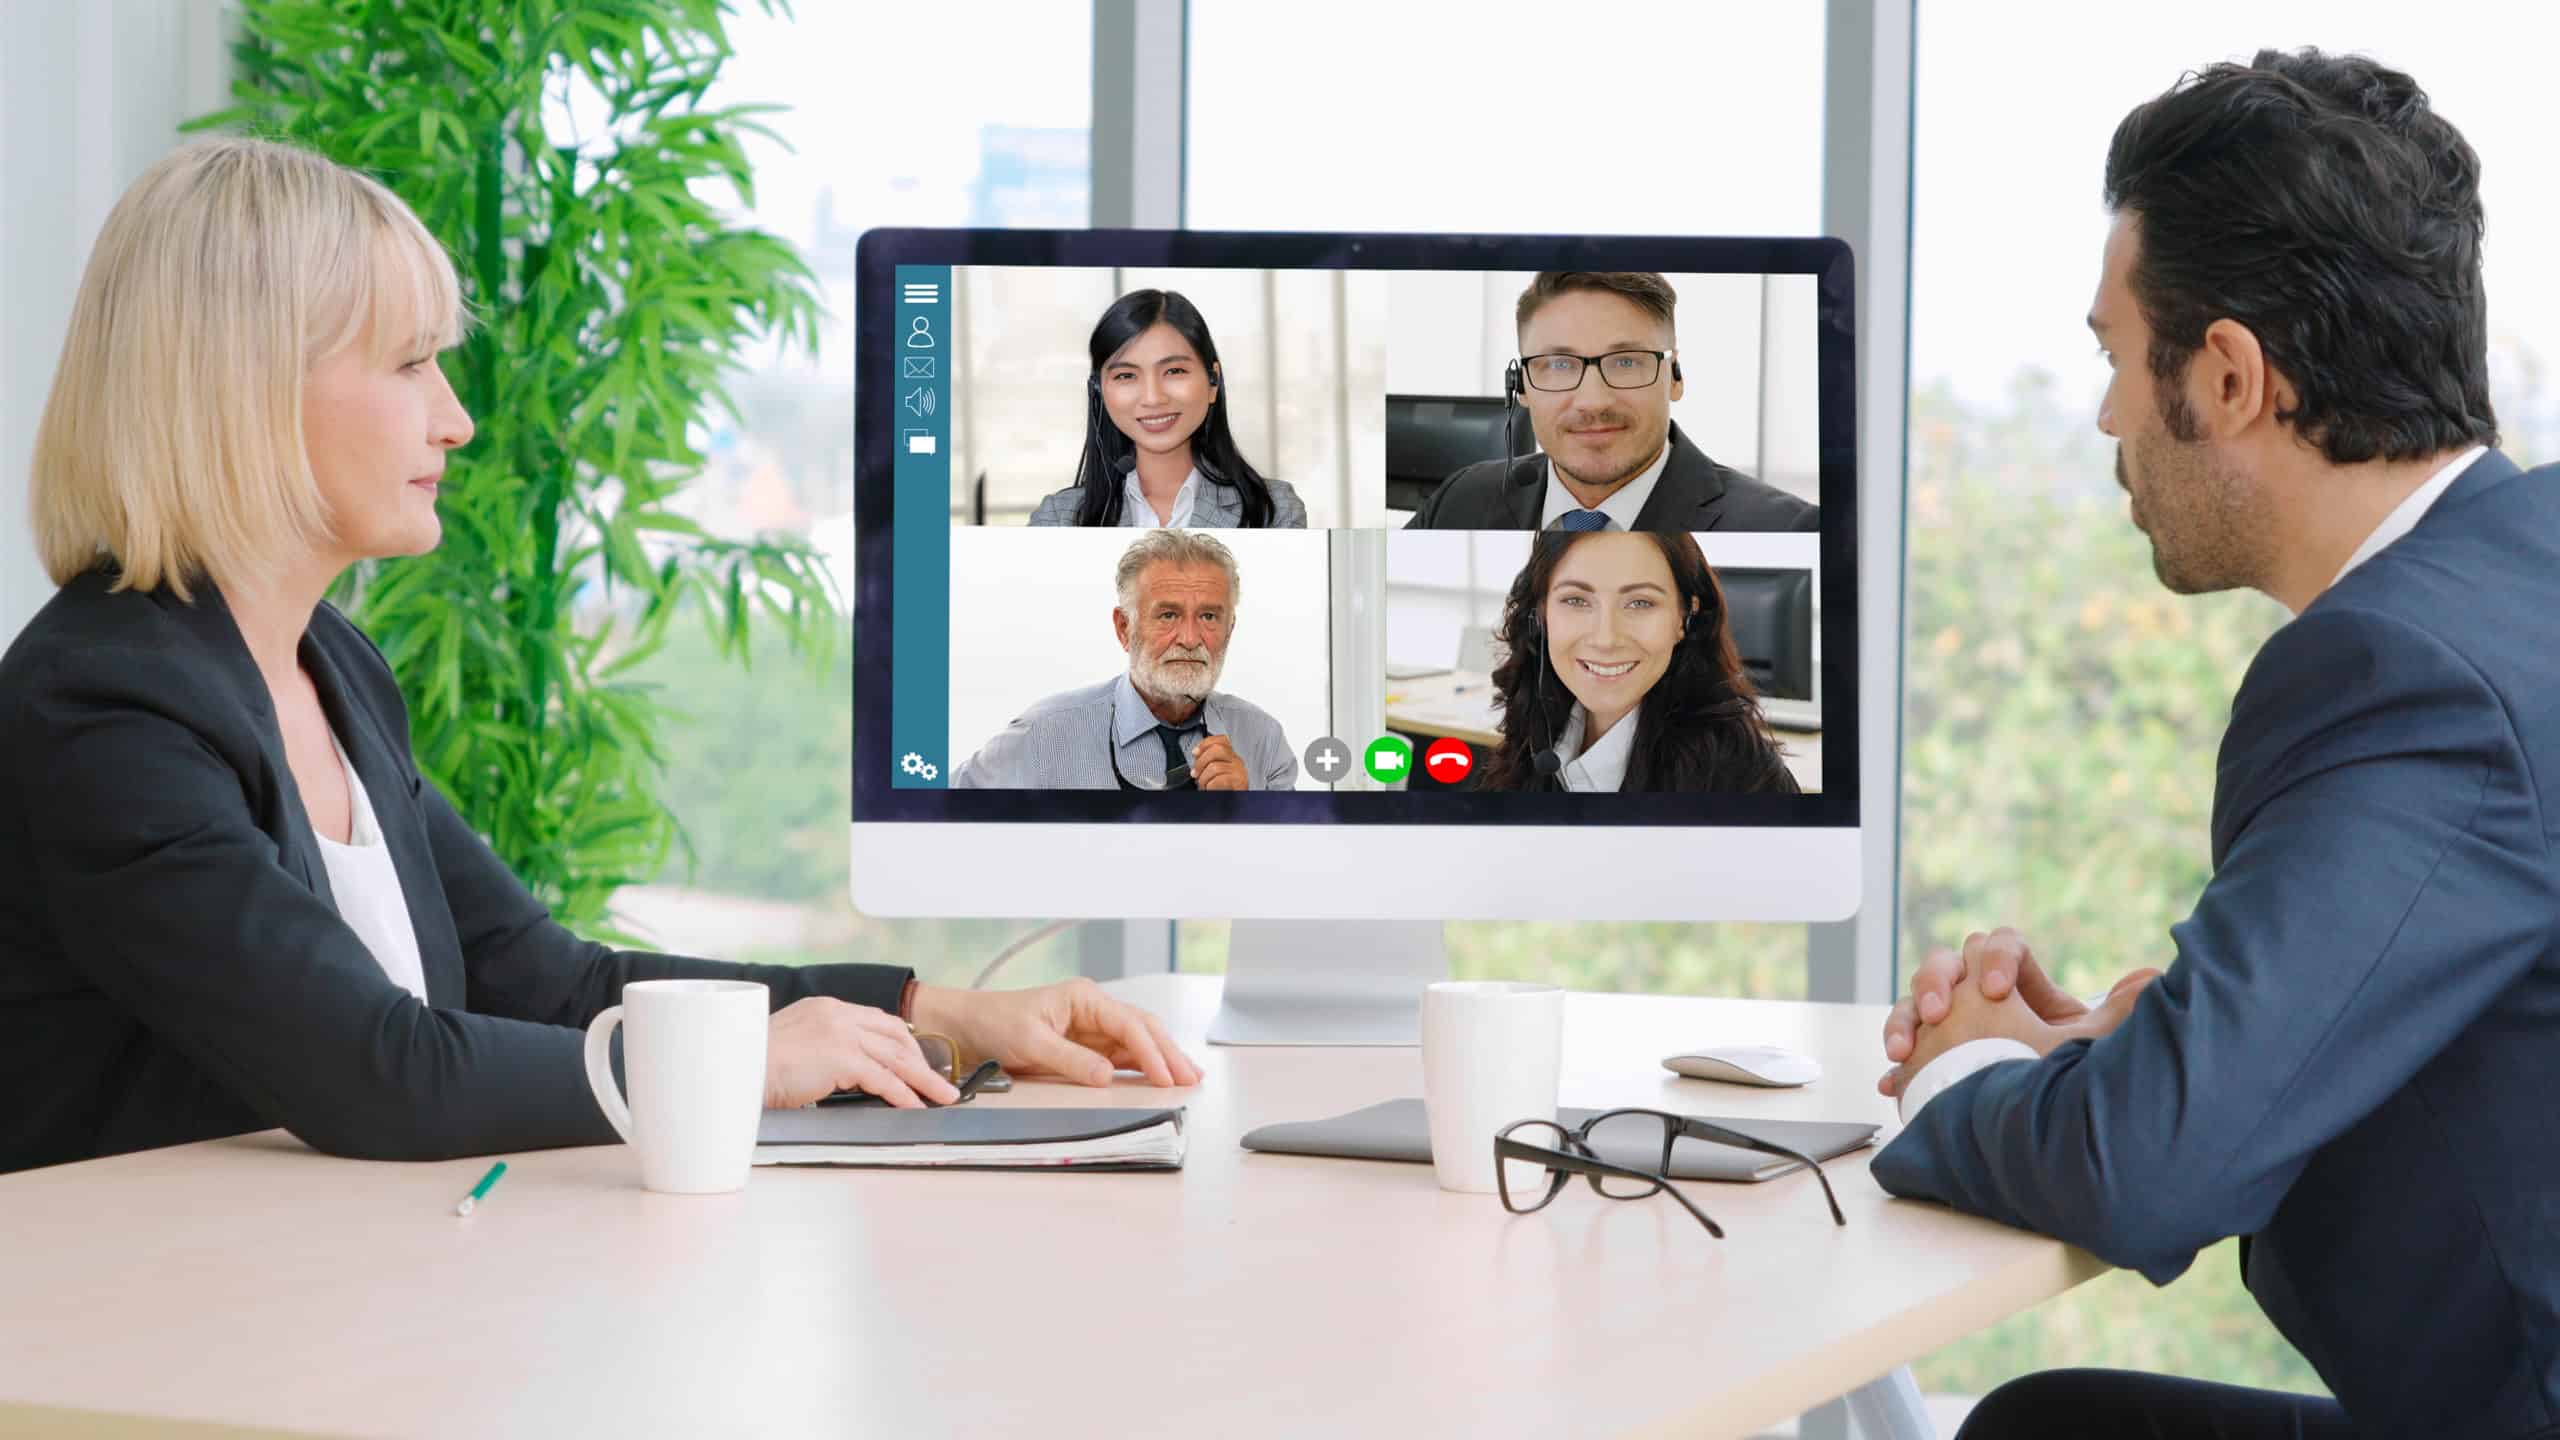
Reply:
x=1164 y=724
x=1599 y=367
x=2352 y=1061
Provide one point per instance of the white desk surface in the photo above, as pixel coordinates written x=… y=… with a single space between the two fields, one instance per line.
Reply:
x=1461 y=703
x=253 y=1282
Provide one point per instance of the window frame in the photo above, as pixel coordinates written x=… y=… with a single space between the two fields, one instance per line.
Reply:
x=1139 y=162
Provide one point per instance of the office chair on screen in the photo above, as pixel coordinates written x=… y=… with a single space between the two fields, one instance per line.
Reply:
x=1432 y=437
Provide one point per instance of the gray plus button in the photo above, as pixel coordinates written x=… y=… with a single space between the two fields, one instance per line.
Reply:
x=1329 y=760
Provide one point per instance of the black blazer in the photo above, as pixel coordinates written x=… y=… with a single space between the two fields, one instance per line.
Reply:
x=172 y=966
x=1694 y=493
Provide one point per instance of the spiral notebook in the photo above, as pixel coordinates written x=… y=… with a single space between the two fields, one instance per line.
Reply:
x=973 y=1137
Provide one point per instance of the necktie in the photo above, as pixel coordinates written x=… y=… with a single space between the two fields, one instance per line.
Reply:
x=1582 y=520
x=1177 y=766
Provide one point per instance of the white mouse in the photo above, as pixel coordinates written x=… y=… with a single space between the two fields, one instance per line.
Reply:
x=1747 y=1065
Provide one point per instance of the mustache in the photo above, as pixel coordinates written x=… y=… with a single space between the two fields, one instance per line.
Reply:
x=1196 y=654
x=1578 y=419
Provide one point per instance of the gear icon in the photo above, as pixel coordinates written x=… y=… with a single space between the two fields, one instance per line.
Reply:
x=914 y=764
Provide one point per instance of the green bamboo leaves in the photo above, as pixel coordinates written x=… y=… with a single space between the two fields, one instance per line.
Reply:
x=560 y=149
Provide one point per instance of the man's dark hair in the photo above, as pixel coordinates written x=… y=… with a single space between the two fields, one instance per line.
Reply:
x=2319 y=201
x=1651 y=293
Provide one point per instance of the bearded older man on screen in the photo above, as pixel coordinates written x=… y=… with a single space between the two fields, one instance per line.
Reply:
x=1163 y=724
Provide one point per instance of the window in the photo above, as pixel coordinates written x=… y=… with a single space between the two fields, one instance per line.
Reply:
x=2061 y=709
x=1432 y=120
x=760 y=776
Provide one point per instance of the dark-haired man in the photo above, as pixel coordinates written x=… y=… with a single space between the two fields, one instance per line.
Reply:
x=1599 y=367
x=2351 y=1061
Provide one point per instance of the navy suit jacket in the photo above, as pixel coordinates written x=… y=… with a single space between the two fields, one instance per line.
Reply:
x=2354 y=1060
x=1693 y=493
x=172 y=964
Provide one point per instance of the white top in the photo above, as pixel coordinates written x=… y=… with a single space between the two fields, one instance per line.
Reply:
x=2404 y=516
x=1623 y=505
x=367 y=888
x=1139 y=513
x=1963 y=1060
x=1603 y=768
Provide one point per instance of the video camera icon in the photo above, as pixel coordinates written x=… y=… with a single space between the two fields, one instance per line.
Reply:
x=1389 y=759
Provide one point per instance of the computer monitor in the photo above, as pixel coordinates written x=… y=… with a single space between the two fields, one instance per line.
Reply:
x=1172 y=672
x=1772 y=617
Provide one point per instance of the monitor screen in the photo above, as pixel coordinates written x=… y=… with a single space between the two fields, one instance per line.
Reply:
x=1286 y=530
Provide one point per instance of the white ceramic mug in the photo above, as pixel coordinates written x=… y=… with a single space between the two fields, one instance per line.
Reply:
x=1492 y=1053
x=693 y=1052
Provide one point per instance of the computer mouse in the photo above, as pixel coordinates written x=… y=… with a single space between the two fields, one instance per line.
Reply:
x=1747 y=1065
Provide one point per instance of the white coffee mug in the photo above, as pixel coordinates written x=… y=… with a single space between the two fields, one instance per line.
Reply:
x=693 y=1053
x=1492 y=1053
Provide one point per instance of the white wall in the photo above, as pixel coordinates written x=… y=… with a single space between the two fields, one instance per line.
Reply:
x=1442 y=582
x=90 y=95
x=1747 y=351
x=1031 y=616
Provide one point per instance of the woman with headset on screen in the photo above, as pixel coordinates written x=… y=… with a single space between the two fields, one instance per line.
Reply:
x=1157 y=450
x=1620 y=674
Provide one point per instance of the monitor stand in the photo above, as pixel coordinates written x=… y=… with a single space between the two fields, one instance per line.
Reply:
x=1328 y=982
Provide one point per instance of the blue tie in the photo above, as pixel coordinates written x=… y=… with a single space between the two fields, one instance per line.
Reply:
x=1582 y=520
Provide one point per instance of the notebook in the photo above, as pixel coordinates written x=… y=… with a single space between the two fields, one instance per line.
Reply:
x=1397 y=1130
x=973 y=1137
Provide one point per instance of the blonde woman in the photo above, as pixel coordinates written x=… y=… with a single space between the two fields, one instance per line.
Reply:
x=233 y=902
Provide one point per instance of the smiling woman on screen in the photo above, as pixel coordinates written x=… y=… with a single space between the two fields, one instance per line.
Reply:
x=1157 y=448
x=233 y=900
x=1620 y=674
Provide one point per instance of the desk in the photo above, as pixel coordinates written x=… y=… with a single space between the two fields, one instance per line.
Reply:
x=1461 y=703
x=251 y=1281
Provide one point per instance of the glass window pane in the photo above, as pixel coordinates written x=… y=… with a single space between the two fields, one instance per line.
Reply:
x=760 y=772
x=2062 y=711
x=1387 y=143
x=1333 y=115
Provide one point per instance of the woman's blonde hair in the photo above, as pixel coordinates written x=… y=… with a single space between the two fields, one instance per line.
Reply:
x=172 y=440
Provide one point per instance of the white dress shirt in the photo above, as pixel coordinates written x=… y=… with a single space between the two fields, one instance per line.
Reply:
x=1623 y=505
x=1603 y=768
x=367 y=888
x=1138 y=513
x=1936 y=1076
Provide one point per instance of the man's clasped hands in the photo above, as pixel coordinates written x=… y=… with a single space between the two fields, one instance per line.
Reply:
x=1992 y=987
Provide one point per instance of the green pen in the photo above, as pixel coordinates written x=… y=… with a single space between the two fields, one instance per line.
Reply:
x=471 y=1201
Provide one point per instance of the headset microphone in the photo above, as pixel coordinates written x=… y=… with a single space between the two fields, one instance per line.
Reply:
x=1513 y=384
x=1546 y=762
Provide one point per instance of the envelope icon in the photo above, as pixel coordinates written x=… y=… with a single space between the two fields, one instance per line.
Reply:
x=918 y=367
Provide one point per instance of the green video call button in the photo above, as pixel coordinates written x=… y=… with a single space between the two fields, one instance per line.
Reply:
x=1388 y=759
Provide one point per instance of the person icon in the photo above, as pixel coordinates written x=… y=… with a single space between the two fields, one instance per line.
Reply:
x=920 y=334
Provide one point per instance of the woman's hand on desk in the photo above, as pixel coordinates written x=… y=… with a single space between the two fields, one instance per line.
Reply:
x=818 y=1046
x=1071 y=1030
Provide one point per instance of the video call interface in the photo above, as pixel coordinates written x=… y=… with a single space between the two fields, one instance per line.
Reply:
x=1355 y=530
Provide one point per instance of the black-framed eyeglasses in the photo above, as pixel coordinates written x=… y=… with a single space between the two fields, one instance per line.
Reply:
x=1638 y=1135
x=1621 y=369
